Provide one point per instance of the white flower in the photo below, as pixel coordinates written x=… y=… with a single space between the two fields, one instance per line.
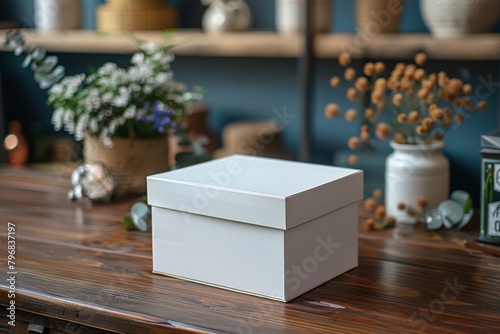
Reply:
x=81 y=126
x=149 y=47
x=107 y=68
x=103 y=102
x=57 y=118
x=72 y=84
x=57 y=89
x=138 y=58
x=134 y=88
x=162 y=78
x=106 y=140
x=120 y=101
x=107 y=97
x=69 y=121
x=130 y=112
x=93 y=125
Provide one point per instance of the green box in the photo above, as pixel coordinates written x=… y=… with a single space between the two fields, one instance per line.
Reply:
x=490 y=188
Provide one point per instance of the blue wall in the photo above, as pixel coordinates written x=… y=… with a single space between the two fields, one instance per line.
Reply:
x=253 y=87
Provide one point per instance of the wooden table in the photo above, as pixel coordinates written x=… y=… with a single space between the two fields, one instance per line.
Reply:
x=79 y=271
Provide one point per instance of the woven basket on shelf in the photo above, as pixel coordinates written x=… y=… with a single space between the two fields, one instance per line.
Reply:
x=129 y=15
x=130 y=161
x=378 y=16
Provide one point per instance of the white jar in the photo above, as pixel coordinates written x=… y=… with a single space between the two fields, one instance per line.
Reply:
x=414 y=172
x=57 y=14
x=290 y=15
x=456 y=18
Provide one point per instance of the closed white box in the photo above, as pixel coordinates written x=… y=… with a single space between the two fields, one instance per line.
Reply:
x=260 y=226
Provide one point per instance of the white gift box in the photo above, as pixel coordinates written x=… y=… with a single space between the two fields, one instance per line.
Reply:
x=265 y=227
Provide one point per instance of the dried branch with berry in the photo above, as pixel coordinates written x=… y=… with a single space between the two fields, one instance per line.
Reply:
x=411 y=106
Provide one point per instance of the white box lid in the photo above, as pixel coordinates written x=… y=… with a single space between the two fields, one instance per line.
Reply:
x=268 y=192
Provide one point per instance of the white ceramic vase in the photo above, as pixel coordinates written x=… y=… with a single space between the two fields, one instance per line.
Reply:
x=290 y=15
x=414 y=172
x=226 y=16
x=456 y=18
x=57 y=14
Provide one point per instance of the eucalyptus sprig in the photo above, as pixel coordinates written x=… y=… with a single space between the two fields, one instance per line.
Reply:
x=45 y=68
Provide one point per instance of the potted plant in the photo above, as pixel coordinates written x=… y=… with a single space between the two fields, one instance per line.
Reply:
x=413 y=109
x=124 y=115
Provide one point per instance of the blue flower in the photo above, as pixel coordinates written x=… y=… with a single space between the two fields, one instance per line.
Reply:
x=160 y=118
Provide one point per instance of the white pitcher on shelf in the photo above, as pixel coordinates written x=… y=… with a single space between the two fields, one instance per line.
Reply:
x=225 y=16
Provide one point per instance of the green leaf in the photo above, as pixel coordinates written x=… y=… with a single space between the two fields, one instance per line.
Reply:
x=128 y=224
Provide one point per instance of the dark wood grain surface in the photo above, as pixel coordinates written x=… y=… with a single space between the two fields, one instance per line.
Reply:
x=79 y=271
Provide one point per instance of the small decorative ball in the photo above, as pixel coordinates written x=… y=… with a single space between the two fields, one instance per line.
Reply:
x=92 y=180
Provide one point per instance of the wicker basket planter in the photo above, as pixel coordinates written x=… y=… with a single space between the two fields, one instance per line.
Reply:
x=378 y=16
x=130 y=160
x=130 y=15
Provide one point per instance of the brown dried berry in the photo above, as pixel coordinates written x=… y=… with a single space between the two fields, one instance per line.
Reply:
x=380 y=212
x=362 y=84
x=420 y=58
x=351 y=115
x=402 y=118
x=332 y=110
x=377 y=194
x=349 y=74
x=369 y=69
x=352 y=160
x=379 y=67
x=422 y=203
x=352 y=94
x=398 y=138
x=334 y=81
x=370 y=205
x=354 y=143
x=482 y=105
x=391 y=221
x=398 y=99
x=413 y=117
x=344 y=59
x=382 y=131
x=369 y=224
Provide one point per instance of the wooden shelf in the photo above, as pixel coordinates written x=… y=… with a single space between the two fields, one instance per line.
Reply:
x=188 y=42
x=401 y=46
x=272 y=44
